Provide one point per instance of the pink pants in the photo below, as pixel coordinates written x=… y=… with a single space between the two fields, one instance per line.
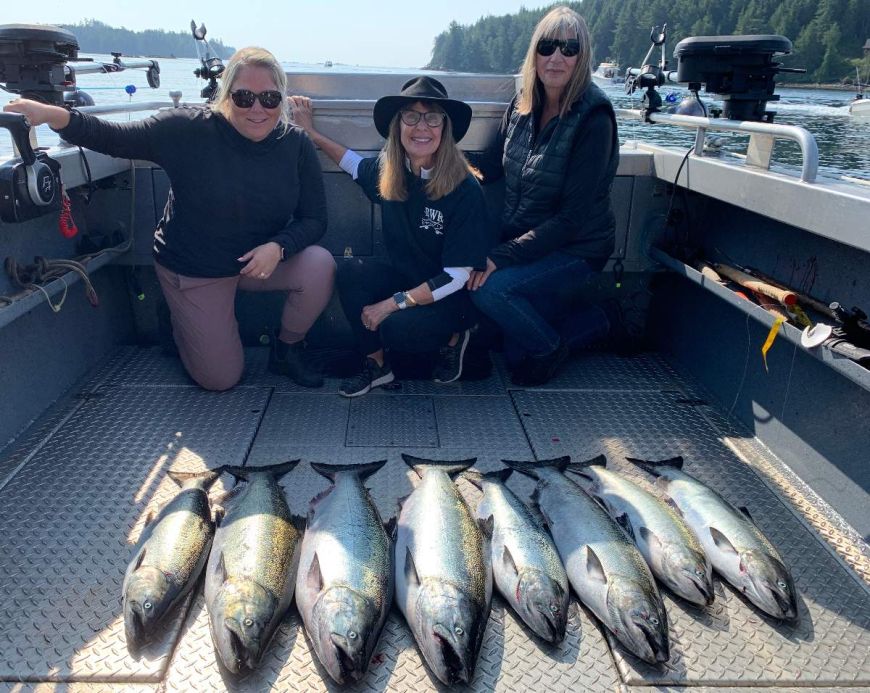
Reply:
x=203 y=312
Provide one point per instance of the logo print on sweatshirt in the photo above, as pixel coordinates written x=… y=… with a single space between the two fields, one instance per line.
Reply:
x=433 y=220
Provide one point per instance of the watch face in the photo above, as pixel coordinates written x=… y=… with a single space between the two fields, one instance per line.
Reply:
x=399 y=298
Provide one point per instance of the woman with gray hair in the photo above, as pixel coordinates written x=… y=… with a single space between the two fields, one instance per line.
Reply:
x=558 y=152
x=245 y=208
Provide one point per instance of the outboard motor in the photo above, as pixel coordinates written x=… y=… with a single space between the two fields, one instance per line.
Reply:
x=29 y=186
x=33 y=60
x=33 y=64
x=740 y=69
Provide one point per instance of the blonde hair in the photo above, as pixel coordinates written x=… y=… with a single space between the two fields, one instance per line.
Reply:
x=560 y=22
x=448 y=171
x=252 y=56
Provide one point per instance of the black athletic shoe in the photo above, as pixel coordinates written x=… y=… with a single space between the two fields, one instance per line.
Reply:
x=537 y=370
x=449 y=366
x=372 y=375
x=292 y=364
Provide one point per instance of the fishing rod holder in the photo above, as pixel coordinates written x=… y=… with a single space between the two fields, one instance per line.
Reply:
x=211 y=66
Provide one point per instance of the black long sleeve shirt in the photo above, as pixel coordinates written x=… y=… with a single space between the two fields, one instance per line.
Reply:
x=229 y=194
x=592 y=148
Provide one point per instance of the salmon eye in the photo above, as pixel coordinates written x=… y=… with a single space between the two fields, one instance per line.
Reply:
x=351 y=634
x=554 y=608
x=248 y=622
x=147 y=605
x=654 y=620
x=699 y=572
x=781 y=584
x=458 y=630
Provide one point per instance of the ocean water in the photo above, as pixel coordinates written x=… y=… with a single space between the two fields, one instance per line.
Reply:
x=844 y=141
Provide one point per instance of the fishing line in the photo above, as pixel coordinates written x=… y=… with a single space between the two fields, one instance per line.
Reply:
x=745 y=367
x=788 y=384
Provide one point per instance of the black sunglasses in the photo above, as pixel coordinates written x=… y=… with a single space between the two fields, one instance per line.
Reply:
x=568 y=47
x=244 y=98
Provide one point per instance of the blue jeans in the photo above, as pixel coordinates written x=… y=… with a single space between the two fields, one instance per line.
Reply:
x=533 y=306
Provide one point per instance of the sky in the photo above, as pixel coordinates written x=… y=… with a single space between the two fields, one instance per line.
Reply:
x=388 y=33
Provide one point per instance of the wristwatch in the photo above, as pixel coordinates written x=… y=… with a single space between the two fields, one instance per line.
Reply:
x=401 y=299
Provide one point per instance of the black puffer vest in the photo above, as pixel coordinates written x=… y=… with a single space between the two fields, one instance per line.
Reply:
x=535 y=167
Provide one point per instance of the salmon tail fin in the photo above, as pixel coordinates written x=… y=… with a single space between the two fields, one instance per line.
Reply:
x=651 y=465
x=363 y=471
x=203 y=480
x=580 y=467
x=477 y=478
x=530 y=468
x=275 y=470
x=451 y=467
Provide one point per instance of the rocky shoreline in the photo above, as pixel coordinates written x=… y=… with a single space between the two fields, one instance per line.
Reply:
x=828 y=87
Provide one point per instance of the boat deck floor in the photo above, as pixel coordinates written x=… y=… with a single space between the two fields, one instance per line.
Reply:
x=75 y=489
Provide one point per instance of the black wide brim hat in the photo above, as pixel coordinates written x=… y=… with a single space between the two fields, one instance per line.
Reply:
x=422 y=89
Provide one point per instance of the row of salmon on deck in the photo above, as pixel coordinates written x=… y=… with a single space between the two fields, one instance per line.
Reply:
x=600 y=532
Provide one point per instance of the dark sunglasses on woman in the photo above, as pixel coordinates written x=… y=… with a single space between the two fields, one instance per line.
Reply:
x=433 y=119
x=568 y=47
x=244 y=98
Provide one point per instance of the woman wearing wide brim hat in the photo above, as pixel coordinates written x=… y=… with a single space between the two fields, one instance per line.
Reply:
x=435 y=229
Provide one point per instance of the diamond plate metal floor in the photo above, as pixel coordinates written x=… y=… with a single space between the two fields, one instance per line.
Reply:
x=74 y=493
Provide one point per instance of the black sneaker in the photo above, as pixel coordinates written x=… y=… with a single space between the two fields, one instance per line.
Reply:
x=449 y=366
x=292 y=364
x=372 y=375
x=537 y=370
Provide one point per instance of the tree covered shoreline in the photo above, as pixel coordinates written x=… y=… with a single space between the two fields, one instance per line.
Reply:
x=827 y=35
x=96 y=37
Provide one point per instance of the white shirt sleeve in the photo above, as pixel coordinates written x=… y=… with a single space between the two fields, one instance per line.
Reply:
x=459 y=276
x=350 y=162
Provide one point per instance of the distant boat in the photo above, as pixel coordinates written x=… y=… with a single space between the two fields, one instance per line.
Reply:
x=607 y=73
x=860 y=106
x=328 y=63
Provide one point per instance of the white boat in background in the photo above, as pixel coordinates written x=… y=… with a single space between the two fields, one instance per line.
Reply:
x=860 y=106
x=607 y=73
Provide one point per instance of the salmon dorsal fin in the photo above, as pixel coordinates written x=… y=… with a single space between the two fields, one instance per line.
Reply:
x=477 y=478
x=450 y=467
x=650 y=465
x=205 y=479
x=530 y=468
x=363 y=471
x=275 y=470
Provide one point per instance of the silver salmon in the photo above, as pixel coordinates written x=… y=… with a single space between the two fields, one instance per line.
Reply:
x=344 y=586
x=169 y=558
x=604 y=567
x=525 y=563
x=668 y=544
x=736 y=547
x=251 y=571
x=443 y=573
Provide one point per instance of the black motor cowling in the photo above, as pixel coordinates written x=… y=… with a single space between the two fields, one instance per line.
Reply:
x=740 y=69
x=33 y=59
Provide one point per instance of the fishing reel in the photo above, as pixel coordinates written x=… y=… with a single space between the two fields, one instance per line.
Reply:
x=29 y=186
x=211 y=66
